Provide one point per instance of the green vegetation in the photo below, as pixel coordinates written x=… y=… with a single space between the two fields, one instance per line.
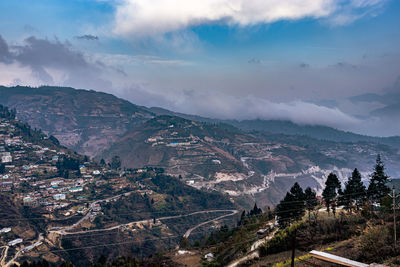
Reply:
x=332 y=187
x=2 y=168
x=228 y=244
x=175 y=196
x=354 y=192
x=115 y=163
x=311 y=201
x=292 y=207
x=378 y=188
x=369 y=231
x=6 y=113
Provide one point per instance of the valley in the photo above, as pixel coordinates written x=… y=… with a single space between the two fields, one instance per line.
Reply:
x=244 y=164
x=157 y=182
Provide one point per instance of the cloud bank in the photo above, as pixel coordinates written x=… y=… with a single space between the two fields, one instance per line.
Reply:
x=221 y=106
x=154 y=17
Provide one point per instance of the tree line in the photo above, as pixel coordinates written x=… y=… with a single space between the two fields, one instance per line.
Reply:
x=353 y=195
x=6 y=113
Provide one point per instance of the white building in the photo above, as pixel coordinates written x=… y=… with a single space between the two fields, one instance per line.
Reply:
x=5 y=230
x=59 y=196
x=57 y=182
x=15 y=242
x=75 y=189
x=6 y=157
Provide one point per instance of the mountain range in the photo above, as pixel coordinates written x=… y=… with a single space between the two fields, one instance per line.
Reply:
x=247 y=160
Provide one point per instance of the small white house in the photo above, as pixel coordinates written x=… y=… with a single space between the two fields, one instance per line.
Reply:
x=75 y=189
x=5 y=230
x=15 y=242
x=209 y=257
x=59 y=196
x=6 y=159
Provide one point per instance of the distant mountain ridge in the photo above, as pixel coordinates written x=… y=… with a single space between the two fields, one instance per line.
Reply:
x=289 y=128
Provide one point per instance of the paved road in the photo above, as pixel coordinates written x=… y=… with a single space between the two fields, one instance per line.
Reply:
x=233 y=212
x=4 y=255
x=253 y=251
x=63 y=230
x=19 y=252
x=188 y=232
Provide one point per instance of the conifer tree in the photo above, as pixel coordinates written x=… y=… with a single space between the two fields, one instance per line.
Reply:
x=292 y=207
x=255 y=210
x=311 y=201
x=2 y=168
x=354 y=191
x=332 y=185
x=377 y=188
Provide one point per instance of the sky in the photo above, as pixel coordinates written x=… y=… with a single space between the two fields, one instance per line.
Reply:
x=325 y=62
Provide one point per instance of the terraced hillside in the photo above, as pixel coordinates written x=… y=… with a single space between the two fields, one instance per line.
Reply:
x=256 y=161
x=246 y=166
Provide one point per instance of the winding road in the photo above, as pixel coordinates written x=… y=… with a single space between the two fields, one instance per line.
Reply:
x=36 y=243
x=232 y=212
x=66 y=229
x=4 y=255
x=188 y=232
x=253 y=254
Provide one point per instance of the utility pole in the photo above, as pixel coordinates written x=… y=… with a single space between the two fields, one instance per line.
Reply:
x=394 y=196
x=293 y=246
x=394 y=216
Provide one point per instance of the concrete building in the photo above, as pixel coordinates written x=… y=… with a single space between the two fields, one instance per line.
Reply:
x=59 y=196
x=15 y=242
x=5 y=230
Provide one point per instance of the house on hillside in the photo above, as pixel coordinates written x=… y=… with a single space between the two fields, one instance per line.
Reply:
x=75 y=189
x=15 y=242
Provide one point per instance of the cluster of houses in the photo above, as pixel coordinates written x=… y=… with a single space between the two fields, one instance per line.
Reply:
x=27 y=168
x=29 y=174
x=171 y=138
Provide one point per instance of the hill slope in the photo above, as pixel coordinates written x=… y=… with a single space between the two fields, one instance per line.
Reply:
x=289 y=128
x=247 y=167
x=257 y=160
x=55 y=199
x=86 y=121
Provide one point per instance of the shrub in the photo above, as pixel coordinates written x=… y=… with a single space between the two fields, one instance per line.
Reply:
x=375 y=244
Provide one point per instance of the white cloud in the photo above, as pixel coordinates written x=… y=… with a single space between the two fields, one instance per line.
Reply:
x=350 y=11
x=157 y=17
x=222 y=106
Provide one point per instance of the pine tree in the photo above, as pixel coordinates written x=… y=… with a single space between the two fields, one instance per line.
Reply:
x=292 y=207
x=377 y=188
x=329 y=194
x=102 y=163
x=255 y=210
x=242 y=218
x=354 y=191
x=311 y=201
x=2 y=168
x=284 y=211
x=115 y=162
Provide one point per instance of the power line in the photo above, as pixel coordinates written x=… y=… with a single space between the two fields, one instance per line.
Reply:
x=157 y=212
x=295 y=201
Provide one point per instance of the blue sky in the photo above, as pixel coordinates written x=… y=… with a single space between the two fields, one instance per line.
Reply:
x=220 y=58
